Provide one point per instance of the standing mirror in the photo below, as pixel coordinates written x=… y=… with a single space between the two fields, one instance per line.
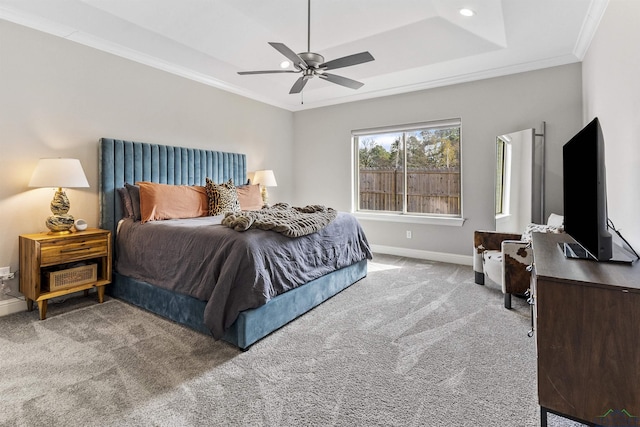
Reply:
x=519 y=185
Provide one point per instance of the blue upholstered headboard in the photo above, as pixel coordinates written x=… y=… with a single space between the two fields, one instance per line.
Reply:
x=127 y=162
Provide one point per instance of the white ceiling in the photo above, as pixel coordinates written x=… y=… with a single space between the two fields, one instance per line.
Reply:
x=417 y=44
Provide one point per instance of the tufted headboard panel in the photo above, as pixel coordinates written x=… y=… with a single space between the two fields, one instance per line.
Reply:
x=127 y=162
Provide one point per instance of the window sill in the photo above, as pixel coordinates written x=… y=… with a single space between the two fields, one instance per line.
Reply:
x=412 y=219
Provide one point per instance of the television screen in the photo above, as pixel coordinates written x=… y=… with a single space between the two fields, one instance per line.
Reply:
x=585 y=191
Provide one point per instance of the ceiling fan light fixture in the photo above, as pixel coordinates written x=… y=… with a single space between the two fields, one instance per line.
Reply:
x=285 y=64
x=465 y=11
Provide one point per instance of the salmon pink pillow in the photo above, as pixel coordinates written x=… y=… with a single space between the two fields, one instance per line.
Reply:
x=249 y=197
x=164 y=201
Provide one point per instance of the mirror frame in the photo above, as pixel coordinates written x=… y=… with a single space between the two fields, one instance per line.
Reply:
x=523 y=169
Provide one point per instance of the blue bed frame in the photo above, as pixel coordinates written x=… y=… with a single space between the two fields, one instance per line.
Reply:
x=127 y=161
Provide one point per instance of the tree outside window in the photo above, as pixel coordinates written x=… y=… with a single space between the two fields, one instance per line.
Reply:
x=415 y=170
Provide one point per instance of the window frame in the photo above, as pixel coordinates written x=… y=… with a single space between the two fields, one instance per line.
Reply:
x=501 y=151
x=505 y=174
x=404 y=216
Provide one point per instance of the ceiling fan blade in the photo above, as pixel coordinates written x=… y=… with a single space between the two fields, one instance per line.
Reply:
x=291 y=55
x=347 y=61
x=343 y=81
x=299 y=85
x=267 y=72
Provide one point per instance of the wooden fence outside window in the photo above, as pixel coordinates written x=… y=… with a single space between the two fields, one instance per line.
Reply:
x=429 y=191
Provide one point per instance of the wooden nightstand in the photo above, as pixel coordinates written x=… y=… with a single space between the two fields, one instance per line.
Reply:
x=42 y=254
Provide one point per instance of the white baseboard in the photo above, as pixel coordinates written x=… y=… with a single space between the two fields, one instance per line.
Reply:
x=10 y=306
x=420 y=254
x=17 y=304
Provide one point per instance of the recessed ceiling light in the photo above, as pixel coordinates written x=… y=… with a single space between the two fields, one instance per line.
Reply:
x=285 y=64
x=467 y=12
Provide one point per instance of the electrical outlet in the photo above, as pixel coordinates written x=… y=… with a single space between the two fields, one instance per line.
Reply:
x=408 y=234
x=5 y=271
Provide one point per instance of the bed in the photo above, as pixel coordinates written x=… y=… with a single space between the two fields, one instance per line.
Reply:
x=128 y=162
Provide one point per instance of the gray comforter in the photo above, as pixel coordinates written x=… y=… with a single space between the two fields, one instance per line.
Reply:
x=230 y=270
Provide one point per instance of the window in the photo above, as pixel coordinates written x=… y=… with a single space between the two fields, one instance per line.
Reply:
x=503 y=172
x=500 y=174
x=412 y=169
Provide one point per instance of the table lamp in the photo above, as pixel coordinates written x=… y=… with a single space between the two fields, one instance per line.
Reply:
x=59 y=173
x=265 y=178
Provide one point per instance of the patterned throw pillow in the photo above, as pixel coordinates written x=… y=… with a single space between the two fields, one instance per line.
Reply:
x=223 y=198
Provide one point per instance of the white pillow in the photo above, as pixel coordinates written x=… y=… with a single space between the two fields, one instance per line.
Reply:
x=555 y=220
x=539 y=228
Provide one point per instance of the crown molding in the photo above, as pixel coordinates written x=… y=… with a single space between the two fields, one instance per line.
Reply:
x=589 y=27
x=446 y=81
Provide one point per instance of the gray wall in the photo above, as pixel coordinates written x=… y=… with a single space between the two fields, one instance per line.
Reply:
x=57 y=98
x=323 y=153
x=612 y=93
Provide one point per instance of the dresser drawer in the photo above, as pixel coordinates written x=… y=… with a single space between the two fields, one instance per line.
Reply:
x=72 y=249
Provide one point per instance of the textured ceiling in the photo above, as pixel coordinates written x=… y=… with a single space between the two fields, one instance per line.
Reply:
x=417 y=44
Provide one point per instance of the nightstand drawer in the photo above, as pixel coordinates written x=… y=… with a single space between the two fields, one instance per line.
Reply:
x=72 y=249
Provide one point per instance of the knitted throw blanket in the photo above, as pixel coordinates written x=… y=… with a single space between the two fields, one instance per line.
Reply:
x=287 y=220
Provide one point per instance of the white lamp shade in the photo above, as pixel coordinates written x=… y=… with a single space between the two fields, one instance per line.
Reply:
x=266 y=178
x=58 y=172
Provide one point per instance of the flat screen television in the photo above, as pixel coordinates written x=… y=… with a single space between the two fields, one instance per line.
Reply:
x=585 y=197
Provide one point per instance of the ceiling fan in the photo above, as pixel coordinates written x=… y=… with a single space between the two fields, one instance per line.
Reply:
x=312 y=64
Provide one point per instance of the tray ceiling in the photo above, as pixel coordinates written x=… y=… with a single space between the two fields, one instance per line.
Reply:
x=417 y=44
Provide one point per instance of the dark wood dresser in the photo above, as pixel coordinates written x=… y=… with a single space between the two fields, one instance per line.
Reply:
x=587 y=327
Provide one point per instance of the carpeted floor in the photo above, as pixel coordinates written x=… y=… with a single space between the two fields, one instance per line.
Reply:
x=416 y=343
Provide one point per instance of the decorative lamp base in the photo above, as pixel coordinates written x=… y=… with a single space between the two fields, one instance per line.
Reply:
x=59 y=224
x=60 y=204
